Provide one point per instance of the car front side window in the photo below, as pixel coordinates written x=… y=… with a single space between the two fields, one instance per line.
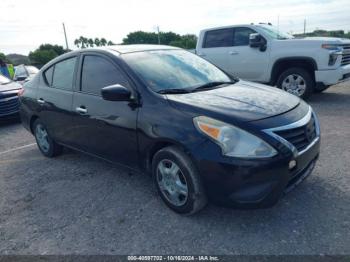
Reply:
x=98 y=72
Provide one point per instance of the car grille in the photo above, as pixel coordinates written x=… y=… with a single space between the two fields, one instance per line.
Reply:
x=300 y=137
x=9 y=105
x=346 y=55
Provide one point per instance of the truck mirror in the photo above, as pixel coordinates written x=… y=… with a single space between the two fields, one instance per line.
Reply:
x=257 y=41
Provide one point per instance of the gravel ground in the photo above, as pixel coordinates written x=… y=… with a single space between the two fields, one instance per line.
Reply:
x=76 y=204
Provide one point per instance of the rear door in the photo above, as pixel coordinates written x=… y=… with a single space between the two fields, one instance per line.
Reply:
x=55 y=97
x=216 y=47
x=104 y=128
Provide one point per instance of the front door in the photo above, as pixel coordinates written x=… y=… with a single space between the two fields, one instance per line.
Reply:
x=104 y=128
x=247 y=63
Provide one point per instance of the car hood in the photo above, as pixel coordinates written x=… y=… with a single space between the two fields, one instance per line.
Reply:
x=10 y=86
x=244 y=101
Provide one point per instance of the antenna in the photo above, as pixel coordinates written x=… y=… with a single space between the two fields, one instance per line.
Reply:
x=65 y=36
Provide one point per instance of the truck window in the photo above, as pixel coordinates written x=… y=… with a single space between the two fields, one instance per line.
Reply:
x=241 y=36
x=218 y=38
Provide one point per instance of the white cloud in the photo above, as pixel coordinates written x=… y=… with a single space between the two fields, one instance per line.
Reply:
x=24 y=24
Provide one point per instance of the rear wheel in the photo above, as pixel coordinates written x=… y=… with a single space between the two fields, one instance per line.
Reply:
x=46 y=144
x=296 y=81
x=177 y=181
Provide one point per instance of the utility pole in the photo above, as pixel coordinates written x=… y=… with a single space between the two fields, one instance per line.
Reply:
x=158 y=35
x=65 y=36
x=304 y=27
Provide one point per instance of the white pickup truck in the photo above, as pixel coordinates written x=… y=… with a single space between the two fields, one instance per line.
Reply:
x=261 y=53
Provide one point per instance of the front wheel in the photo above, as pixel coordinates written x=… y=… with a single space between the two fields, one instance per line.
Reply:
x=178 y=181
x=296 y=81
x=46 y=144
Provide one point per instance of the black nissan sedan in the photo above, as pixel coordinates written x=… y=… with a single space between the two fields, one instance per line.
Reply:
x=199 y=132
x=9 y=104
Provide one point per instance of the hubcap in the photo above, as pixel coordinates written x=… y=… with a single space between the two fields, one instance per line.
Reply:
x=172 y=182
x=294 y=84
x=42 y=137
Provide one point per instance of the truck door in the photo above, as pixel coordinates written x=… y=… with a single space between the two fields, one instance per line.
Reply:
x=215 y=47
x=247 y=62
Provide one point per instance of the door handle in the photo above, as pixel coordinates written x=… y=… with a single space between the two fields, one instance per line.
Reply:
x=81 y=110
x=233 y=53
x=41 y=101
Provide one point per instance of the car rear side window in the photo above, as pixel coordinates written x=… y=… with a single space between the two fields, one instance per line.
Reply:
x=218 y=38
x=97 y=73
x=241 y=36
x=48 y=75
x=63 y=74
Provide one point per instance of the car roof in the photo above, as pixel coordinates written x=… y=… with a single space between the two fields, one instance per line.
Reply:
x=123 y=49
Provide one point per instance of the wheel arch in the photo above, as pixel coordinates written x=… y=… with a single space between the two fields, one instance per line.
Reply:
x=155 y=147
x=282 y=64
x=32 y=120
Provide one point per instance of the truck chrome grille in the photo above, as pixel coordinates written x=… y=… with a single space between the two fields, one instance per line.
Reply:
x=346 y=54
x=300 y=137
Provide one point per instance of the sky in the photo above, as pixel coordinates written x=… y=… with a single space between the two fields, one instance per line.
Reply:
x=25 y=24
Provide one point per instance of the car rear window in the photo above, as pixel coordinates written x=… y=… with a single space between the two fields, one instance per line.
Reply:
x=63 y=74
x=48 y=75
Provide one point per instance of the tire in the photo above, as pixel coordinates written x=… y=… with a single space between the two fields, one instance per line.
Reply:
x=47 y=146
x=187 y=176
x=321 y=88
x=302 y=80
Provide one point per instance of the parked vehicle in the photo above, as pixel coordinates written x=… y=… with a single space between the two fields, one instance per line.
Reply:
x=201 y=133
x=262 y=53
x=9 y=103
x=24 y=73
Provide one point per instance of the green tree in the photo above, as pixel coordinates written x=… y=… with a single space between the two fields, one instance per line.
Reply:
x=84 y=42
x=45 y=53
x=166 y=38
x=4 y=58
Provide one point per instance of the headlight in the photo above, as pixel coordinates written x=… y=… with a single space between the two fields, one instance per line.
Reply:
x=233 y=141
x=334 y=47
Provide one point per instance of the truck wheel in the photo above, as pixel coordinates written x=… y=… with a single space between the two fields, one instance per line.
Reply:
x=177 y=181
x=296 y=81
x=48 y=147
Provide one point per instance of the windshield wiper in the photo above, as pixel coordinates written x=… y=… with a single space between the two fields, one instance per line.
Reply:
x=173 y=91
x=211 y=85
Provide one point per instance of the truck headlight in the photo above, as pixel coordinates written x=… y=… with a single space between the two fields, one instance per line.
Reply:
x=335 y=51
x=233 y=141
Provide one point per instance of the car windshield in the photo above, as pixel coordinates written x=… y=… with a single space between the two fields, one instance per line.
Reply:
x=173 y=70
x=275 y=32
x=4 y=80
x=32 y=70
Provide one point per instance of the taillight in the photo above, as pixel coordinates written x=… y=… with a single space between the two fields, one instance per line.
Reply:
x=20 y=92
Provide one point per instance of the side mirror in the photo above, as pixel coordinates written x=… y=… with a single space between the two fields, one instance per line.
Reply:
x=116 y=93
x=20 y=78
x=257 y=41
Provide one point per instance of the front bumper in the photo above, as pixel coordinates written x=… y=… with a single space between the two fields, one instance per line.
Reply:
x=253 y=183
x=332 y=77
x=258 y=183
x=9 y=107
